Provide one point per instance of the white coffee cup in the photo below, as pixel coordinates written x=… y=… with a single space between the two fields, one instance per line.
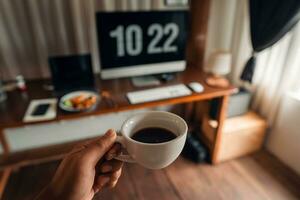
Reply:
x=152 y=155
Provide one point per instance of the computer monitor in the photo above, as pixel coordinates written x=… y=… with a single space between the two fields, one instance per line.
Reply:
x=141 y=43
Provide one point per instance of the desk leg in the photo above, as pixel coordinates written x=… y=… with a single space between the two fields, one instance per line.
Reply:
x=189 y=112
x=220 y=118
x=4 y=176
x=5 y=173
x=3 y=142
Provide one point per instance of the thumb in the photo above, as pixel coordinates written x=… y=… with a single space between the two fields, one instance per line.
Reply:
x=96 y=149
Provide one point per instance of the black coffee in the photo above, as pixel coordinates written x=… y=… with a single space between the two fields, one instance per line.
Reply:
x=153 y=135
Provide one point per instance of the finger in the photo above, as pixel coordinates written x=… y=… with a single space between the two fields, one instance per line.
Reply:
x=106 y=179
x=114 y=176
x=114 y=151
x=111 y=184
x=101 y=182
x=111 y=166
x=79 y=147
x=96 y=149
x=114 y=179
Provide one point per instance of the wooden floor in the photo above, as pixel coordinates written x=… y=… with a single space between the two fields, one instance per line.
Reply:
x=259 y=176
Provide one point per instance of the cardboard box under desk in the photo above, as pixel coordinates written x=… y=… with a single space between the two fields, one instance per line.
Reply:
x=241 y=135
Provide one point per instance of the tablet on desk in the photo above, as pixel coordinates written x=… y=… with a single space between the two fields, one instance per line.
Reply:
x=40 y=110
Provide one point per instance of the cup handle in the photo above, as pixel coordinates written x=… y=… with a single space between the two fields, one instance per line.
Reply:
x=124 y=156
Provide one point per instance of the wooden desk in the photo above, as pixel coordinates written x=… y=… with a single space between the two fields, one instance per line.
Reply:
x=12 y=111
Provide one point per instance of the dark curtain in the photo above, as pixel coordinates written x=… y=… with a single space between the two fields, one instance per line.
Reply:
x=270 y=20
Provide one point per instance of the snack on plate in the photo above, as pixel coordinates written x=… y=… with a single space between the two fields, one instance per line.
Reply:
x=80 y=102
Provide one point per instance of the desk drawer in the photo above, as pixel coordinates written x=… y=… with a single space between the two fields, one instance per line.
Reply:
x=47 y=134
x=34 y=136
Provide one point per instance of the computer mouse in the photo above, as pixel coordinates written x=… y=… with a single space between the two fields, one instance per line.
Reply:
x=196 y=87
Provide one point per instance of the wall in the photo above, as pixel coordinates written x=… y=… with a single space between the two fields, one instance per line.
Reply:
x=285 y=137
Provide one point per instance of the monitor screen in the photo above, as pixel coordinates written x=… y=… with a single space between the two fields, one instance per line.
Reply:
x=138 y=43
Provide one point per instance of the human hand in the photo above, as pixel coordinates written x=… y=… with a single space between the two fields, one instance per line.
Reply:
x=85 y=171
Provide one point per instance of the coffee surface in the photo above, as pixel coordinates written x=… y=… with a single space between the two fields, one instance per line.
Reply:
x=153 y=135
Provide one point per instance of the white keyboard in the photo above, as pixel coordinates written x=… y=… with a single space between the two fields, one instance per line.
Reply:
x=158 y=93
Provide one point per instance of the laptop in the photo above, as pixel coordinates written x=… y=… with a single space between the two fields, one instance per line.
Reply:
x=71 y=73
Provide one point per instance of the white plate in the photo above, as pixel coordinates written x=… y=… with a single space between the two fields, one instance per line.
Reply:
x=74 y=94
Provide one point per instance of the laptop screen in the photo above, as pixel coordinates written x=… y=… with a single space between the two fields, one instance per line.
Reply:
x=71 y=72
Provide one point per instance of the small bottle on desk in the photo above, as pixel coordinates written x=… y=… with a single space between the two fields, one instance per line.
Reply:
x=21 y=84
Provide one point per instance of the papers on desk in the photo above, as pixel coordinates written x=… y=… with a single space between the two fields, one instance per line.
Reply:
x=49 y=113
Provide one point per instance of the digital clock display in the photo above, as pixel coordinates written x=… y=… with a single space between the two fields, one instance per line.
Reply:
x=136 y=38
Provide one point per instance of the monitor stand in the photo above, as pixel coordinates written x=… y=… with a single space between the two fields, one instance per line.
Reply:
x=166 y=77
x=143 y=81
x=152 y=80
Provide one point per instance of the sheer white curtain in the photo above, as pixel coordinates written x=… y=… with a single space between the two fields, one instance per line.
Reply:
x=277 y=72
x=277 y=68
x=228 y=29
x=32 y=30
